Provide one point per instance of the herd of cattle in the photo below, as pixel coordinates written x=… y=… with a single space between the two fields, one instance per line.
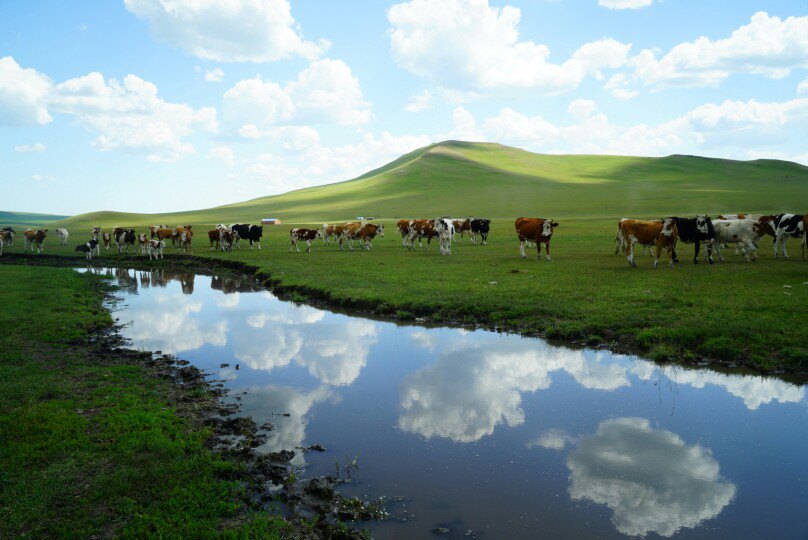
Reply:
x=743 y=230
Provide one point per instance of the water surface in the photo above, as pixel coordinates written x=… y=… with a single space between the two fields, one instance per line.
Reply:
x=504 y=436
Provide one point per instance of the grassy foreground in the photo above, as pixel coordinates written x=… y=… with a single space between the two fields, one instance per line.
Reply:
x=93 y=445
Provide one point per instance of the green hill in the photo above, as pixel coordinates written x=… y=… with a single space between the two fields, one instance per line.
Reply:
x=24 y=219
x=462 y=178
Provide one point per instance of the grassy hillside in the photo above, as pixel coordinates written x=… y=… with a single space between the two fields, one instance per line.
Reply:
x=24 y=219
x=458 y=178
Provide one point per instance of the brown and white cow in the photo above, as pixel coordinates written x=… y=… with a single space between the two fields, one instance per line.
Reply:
x=155 y=249
x=226 y=239
x=536 y=230
x=364 y=232
x=185 y=241
x=307 y=235
x=154 y=228
x=165 y=233
x=35 y=238
x=745 y=233
x=461 y=226
x=331 y=231
x=418 y=229
x=403 y=227
x=143 y=241
x=662 y=233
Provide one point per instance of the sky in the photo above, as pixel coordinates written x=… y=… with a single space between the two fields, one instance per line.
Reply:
x=166 y=105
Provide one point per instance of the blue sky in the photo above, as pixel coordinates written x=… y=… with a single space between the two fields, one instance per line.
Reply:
x=159 y=105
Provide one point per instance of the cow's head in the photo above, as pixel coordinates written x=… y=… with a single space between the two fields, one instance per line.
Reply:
x=380 y=230
x=668 y=226
x=705 y=225
x=547 y=228
x=319 y=234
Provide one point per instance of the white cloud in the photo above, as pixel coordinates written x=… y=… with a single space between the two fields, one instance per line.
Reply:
x=23 y=95
x=231 y=31
x=802 y=88
x=650 y=478
x=731 y=125
x=419 y=102
x=36 y=147
x=767 y=45
x=625 y=4
x=618 y=85
x=325 y=92
x=553 y=439
x=222 y=153
x=42 y=177
x=468 y=45
x=131 y=116
x=214 y=75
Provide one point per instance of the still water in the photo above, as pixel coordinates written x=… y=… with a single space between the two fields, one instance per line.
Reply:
x=492 y=435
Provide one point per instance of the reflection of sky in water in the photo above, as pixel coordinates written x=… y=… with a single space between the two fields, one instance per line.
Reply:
x=461 y=422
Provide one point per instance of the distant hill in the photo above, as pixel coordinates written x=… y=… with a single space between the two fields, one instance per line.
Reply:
x=23 y=219
x=487 y=179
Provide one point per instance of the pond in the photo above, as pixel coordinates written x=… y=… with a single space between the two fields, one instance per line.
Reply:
x=491 y=435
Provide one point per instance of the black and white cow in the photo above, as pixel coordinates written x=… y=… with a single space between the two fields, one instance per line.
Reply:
x=695 y=231
x=786 y=225
x=10 y=233
x=88 y=248
x=125 y=238
x=253 y=233
x=480 y=226
x=445 y=229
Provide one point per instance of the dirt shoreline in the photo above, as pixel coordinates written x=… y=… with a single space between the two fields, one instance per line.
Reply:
x=613 y=342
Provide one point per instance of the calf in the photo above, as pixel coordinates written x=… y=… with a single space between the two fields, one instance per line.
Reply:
x=107 y=239
x=461 y=226
x=662 y=233
x=786 y=225
x=185 y=241
x=365 y=232
x=213 y=236
x=480 y=227
x=124 y=238
x=226 y=239
x=63 y=235
x=253 y=233
x=420 y=228
x=88 y=248
x=695 y=231
x=155 y=249
x=740 y=231
x=445 y=229
x=9 y=234
x=35 y=238
x=536 y=230
x=143 y=242
x=304 y=234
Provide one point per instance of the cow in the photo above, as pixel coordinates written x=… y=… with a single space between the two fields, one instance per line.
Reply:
x=536 y=230
x=63 y=235
x=418 y=229
x=185 y=241
x=445 y=229
x=106 y=238
x=88 y=248
x=662 y=233
x=9 y=235
x=804 y=243
x=482 y=227
x=178 y=230
x=143 y=242
x=165 y=233
x=154 y=228
x=461 y=226
x=124 y=238
x=365 y=232
x=3 y=235
x=330 y=231
x=35 y=238
x=745 y=232
x=307 y=235
x=214 y=235
x=155 y=249
x=695 y=231
x=226 y=239
x=403 y=227
x=786 y=225
x=253 y=233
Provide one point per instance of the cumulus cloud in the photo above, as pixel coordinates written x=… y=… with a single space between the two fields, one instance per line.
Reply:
x=802 y=88
x=214 y=75
x=325 y=92
x=222 y=153
x=553 y=439
x=651 y=479
x=232 y=31
x=23 y=95
x=419 y=102
x=470 y=390
x=131 y=116
x=468 y=45
x=36 y=147
x=768 y=46
x=625 y=4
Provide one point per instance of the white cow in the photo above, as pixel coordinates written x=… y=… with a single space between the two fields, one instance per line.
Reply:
x=743 y=232
x=155 y=249
x=63 y=236
x=445 y=230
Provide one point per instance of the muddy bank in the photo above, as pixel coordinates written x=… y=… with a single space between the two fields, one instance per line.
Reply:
x=617 y=342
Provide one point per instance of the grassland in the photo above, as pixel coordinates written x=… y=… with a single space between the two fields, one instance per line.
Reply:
x=91 y=443
x=25 y=219
x=735 y=312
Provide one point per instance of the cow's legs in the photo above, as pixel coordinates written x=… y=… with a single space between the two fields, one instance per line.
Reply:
x=547 y=250
x=783 y=246
x=628 y=246
x=308 y=246
x=749 y=250
x=522 y=249
x=718 y=251
x=484 y=236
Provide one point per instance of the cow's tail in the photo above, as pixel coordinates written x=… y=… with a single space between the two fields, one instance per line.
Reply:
x=619 y=241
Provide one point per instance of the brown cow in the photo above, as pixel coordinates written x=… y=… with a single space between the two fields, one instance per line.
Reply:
x=365 y=232
x=304 y=234
x=403 y=227
x=536 y=230
x=164 y=233
x=213 y=236
x=143 y=241
x=661 y=233
x=35 y=237
x=461 y=226
x=331 y=231
x=421 y=228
